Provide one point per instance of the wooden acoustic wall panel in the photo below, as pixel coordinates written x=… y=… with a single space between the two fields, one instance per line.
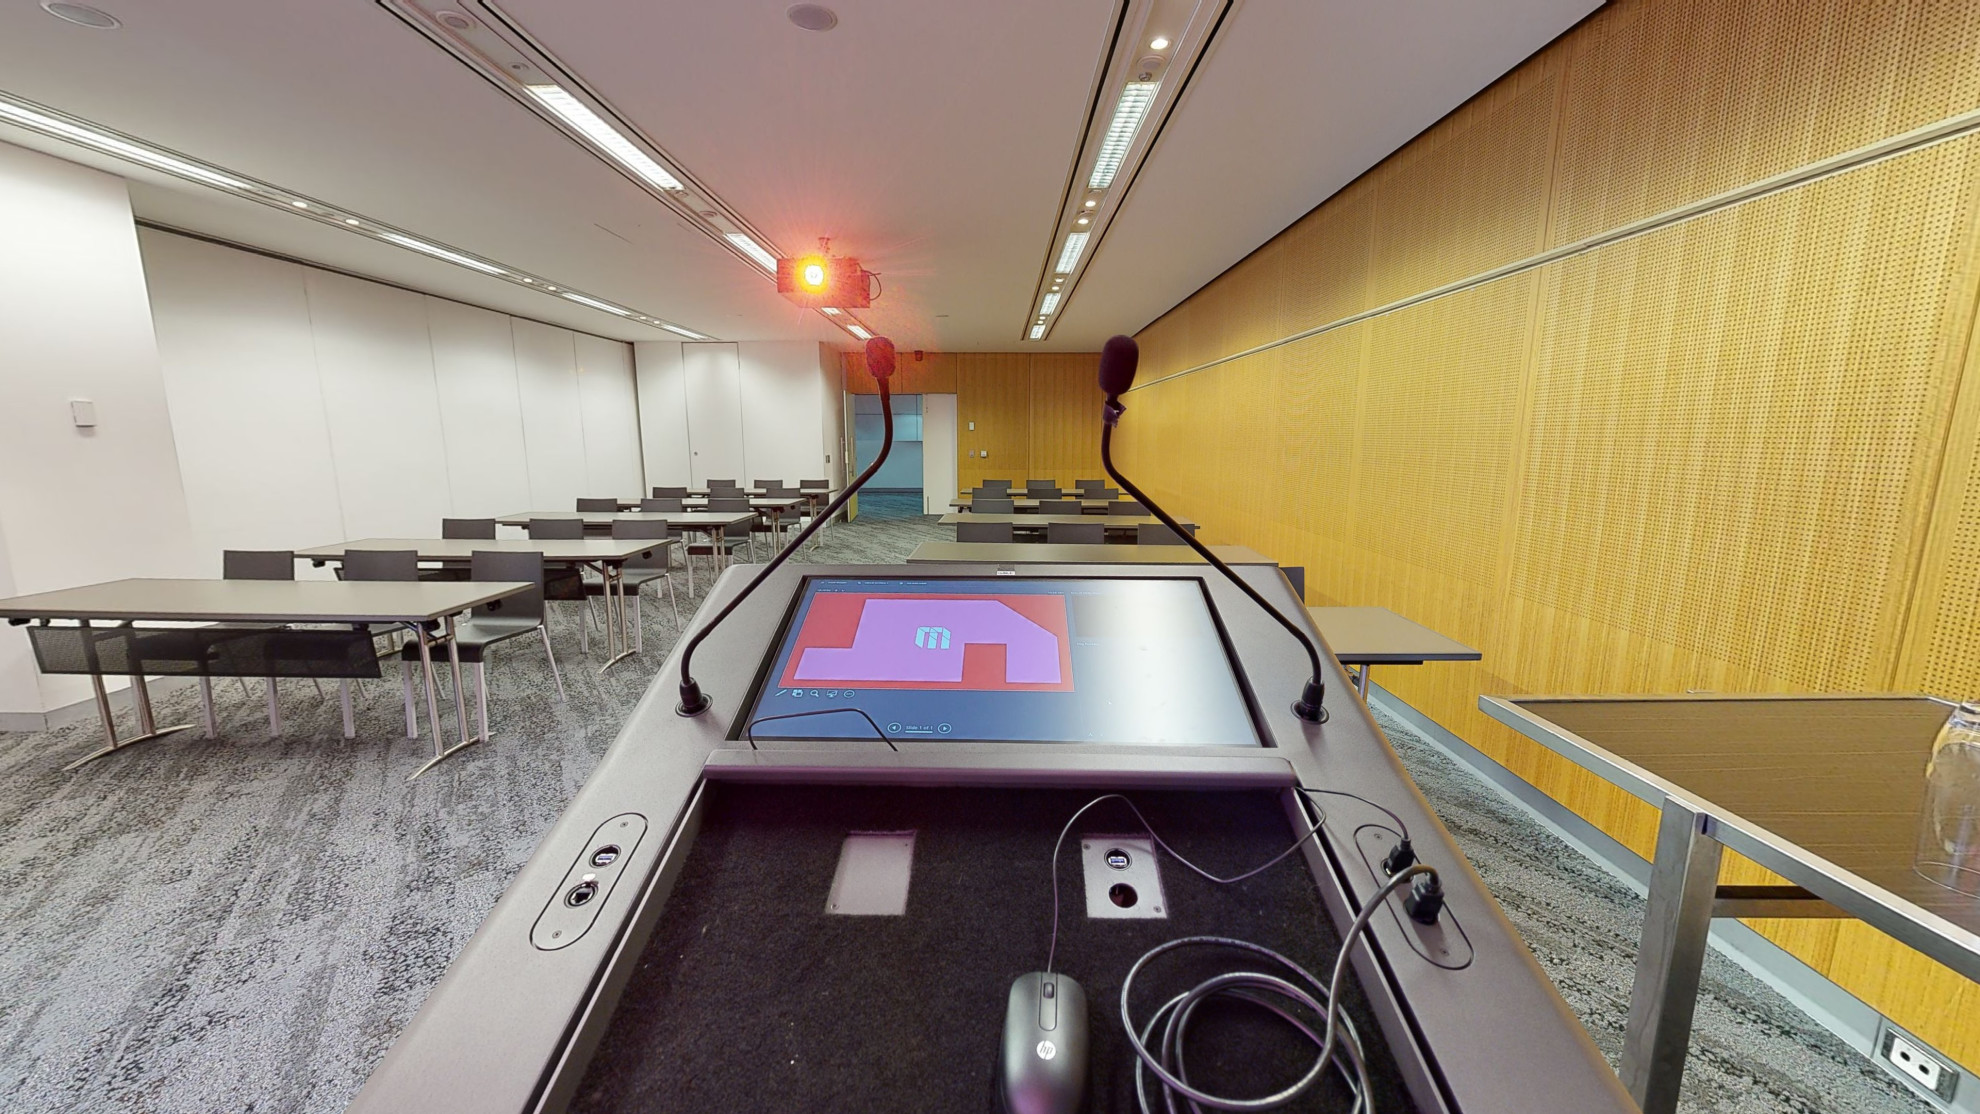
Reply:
x=1735 y=423
x=1065 y=417
x=993 y=389
x=1675 y=100
x=934 y=374
x=1470 y=193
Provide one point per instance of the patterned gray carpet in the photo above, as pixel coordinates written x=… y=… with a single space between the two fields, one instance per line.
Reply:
x=245 y=924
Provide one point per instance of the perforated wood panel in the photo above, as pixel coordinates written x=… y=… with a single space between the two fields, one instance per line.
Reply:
x=1737 y=454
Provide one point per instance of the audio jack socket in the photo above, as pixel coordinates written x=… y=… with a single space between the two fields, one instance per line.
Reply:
x=1425 y=899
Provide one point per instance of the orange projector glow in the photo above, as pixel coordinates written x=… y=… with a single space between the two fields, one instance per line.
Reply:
x=818 y=281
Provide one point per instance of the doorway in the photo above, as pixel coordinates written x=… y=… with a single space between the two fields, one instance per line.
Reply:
x=895 y=490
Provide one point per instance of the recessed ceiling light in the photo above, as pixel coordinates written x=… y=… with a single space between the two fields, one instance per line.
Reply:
x=688 y=333
x=859 y=332
x=1159 y=43
x=813 y=17
x=1081 y=221
x=754 y=250
x=828 y=311
x=603 y=135
x=1037 y=331
x=350 y=220
x=596 y=304
x=300 y=204
x=1133 y=105
x=1069 y=256
x=1090 y=203
x=82 y=15
x=447 y=254
x=112 y=145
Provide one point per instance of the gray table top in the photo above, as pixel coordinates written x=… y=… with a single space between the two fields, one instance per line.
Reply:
x=1111 y=521
x=757 y=502
x=696 y=519
x=1376 y=635
x=1032 y=501
x=1823 y=790
x=261 y=601
x=1036 y=553
x=555 y=551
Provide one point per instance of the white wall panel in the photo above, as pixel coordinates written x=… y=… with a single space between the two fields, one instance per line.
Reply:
x=938 y=453
x=782 y=395
x=609 y=403
x=246 y=401
x=374 y=358
x=663 y=426
x=832 y=414
x=78 y=505
x=474 y=369
x=553 y=421
x=712 y=374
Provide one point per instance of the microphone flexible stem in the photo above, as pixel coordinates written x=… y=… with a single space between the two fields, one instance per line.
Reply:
x=1203 y=551
x=690 y=691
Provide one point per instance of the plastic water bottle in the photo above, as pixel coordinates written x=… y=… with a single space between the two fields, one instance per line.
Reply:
x=1949 y=825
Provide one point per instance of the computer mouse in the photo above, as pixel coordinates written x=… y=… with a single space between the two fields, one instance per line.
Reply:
x=1045 y=1039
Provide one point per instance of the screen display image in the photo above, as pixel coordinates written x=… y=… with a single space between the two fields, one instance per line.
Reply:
x=1080 y=661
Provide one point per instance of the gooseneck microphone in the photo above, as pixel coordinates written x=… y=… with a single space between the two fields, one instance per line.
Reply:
x=879 y=364
x=1117 y=366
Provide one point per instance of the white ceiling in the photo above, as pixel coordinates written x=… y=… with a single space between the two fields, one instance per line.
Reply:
x=930 y=140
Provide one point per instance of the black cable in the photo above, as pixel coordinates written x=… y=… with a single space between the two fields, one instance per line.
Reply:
x=1404 y=828
x=749 y=731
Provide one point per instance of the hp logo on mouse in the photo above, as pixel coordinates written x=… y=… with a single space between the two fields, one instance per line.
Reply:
x=1047 y=1050
x=932 y=638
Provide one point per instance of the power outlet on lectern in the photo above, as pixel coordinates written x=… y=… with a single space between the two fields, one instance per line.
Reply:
x=570 y=911
x=1443 y=943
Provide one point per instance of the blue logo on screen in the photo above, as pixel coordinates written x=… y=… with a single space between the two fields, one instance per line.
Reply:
x=932 y=638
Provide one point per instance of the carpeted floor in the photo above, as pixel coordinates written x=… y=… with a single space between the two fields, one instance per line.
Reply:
x=245 y=924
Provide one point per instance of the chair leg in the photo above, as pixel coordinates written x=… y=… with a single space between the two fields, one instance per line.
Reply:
x=274 y=711
x=412 y=714
x=206 y=707
x=245 y=691
x=674 y=601
x=584 y=631
x=552 y=655
x=481 y=693
x=344 y=698
x=319 y=687
x=639 y=620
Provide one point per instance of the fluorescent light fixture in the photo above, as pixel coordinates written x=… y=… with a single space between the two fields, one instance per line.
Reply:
x=439 y=252
x=688 y=333
x=1050 y=303
x=1037 y=331
x=828 y=311
x=859 y=332
x=603 y=135
x=111 y=145
x=1075 y=243
x=596 y=304
x=754 y=250
x=1134 y=102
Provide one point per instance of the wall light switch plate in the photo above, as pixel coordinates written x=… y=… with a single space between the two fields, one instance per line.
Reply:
x=972 y=426
x=82 y=411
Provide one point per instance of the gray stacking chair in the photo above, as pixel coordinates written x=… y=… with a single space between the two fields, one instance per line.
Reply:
x=994 y=485
x=991 y=504
x=256 y=564
x=496 y=621
x=597 y=506
x=1042 y=489
x=814 y=485
x=671 y=505
x=746 y=531
x=388 y=564
x=670 y=492
x=565 y=584
x=1075 y=533
x=643 y=570
x=1126 y=506
x=1093 y=489
x=556 y=529
x=983 y=532
x=1296 y=576
x=731 y=484
x=1060 y=506
x=470 y=529
x=1156 y=533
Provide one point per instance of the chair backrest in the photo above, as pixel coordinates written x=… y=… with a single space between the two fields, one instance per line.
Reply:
x=983 y=532
x=814 y=485
x=1156 y=533
x=381 y=564
x=258 y=564
x=1126 y=506
x=642 y=528
x=767 y=485
x=713 y=484
x=482 y=529
x=994 y=485
x=991 y=504
x=486 y=564
x=1060 y=506
x=1050 y=487
x=670 y=493
x=1091 y=485
x=665 y=504
x=594 y=506
x=1075 y=533
x=727 y=503
x=556 y=529
x=1296 y=576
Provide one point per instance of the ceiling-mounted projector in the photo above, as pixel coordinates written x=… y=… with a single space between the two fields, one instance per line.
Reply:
x=824 y=281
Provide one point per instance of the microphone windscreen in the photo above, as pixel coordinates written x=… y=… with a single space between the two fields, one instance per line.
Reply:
x=880 y=357
x=1117 y=364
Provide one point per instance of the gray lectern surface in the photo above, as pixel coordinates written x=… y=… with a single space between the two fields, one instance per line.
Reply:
x=1459 y=1009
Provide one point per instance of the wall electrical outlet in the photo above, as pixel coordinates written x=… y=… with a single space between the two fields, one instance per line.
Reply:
x=1909 y=1059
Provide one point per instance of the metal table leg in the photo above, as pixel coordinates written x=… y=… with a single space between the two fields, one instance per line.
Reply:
x=344 y=698
x=1683 y=883
x=1361 y=681
x=432 y=686
x=614 y=575
x=440 y=749
x=140 y=698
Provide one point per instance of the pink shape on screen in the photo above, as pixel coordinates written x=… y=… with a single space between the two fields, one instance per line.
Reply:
x=884 y=647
